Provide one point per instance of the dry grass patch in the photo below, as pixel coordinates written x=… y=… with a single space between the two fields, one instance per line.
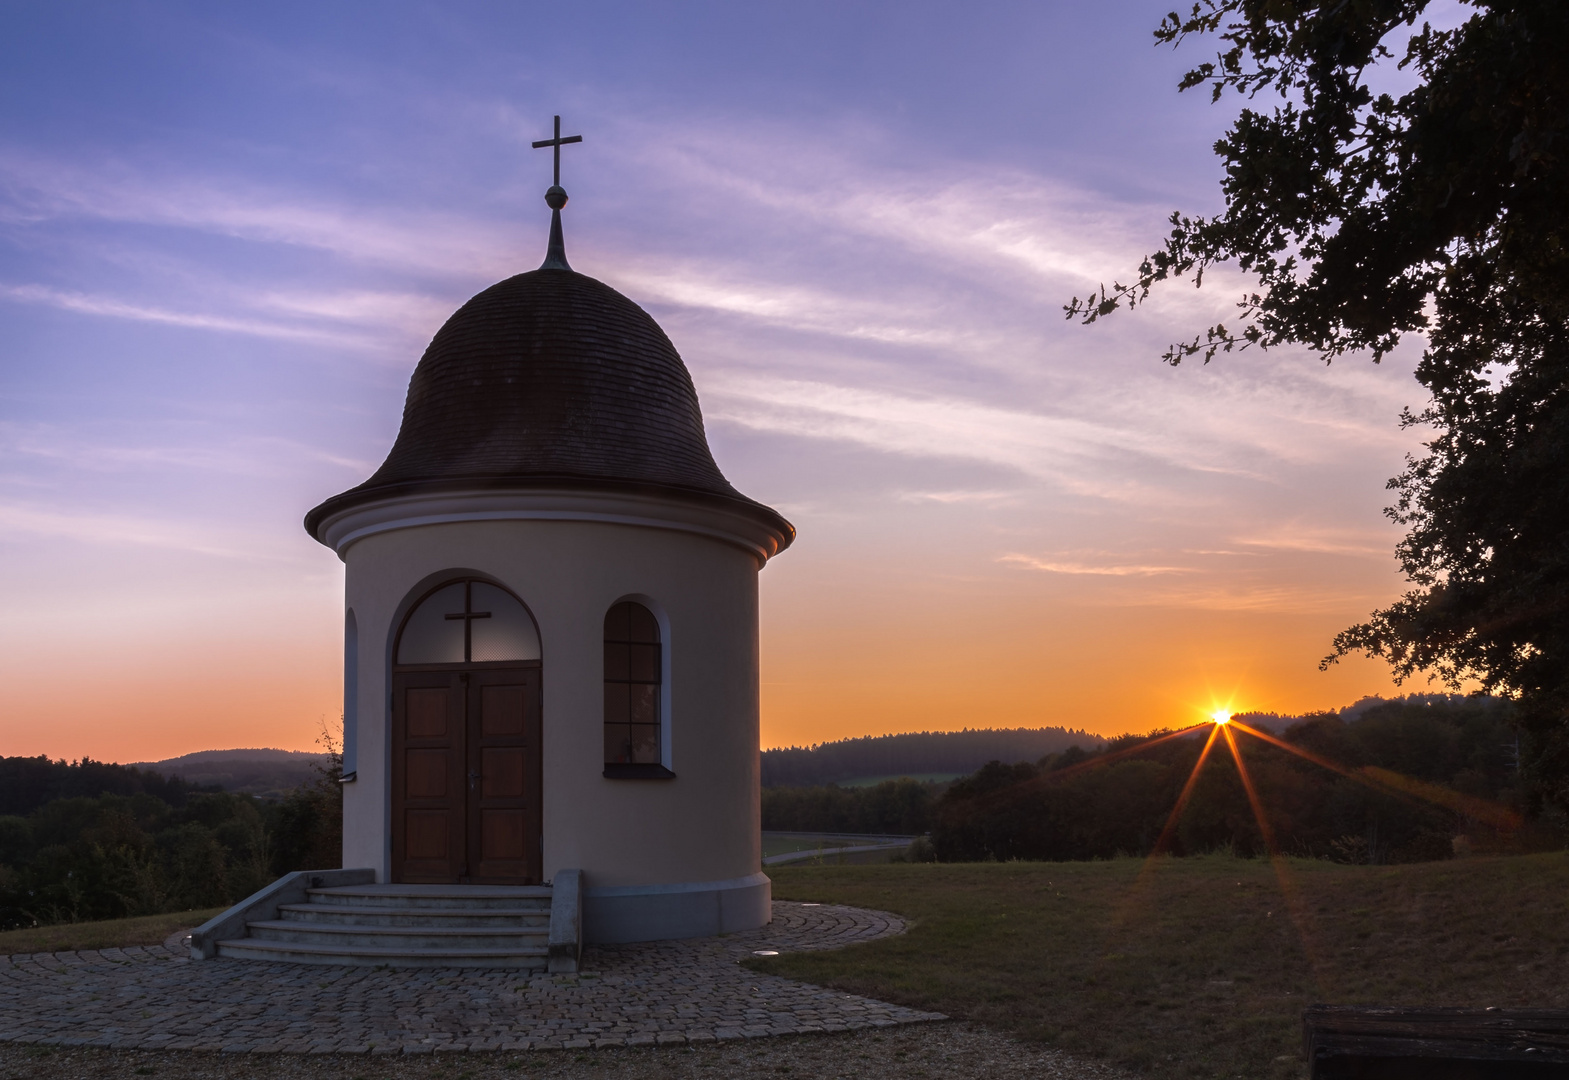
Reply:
x=109 y=934
x=1194 y=967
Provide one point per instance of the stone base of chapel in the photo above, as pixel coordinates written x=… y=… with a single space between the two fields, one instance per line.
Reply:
x=617 y=914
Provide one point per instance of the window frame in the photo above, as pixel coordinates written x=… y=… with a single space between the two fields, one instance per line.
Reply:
x=440 y=582
x=661 y=770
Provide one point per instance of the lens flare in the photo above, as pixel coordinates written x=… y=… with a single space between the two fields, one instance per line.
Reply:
x=1182 y=799
x=1222 y=727
x=1392 y=783
x=1296 y=910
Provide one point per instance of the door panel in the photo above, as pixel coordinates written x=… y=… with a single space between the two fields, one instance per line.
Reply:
x=429 y=807
x=501 y=834
x=504 y=766
x=501 y=773
x=427 y=773
x=502 y=710
x=428 y=834
x=466 y=796
x=427 y=708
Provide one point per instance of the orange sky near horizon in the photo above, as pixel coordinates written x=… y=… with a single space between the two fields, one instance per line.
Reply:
x=850 y=648
x=1190 y=664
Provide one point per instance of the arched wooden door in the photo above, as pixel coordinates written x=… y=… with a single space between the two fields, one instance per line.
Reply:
x=466 y=774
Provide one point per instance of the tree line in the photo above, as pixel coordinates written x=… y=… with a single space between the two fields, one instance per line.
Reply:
x=1416 y=779
x=86 y=840
x=1413 y=782
x=900 y=807
x=913 y=753
x=26 y=783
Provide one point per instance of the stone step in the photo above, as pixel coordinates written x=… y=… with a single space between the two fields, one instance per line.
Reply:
x=293 y=952
x=400 y=937
x=387 y=916
x=481 y=897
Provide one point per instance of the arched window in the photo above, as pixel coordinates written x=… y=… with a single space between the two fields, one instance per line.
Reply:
x=468 y=622
x=634 y=668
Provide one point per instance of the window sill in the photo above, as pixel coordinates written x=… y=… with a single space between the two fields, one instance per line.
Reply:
x=637 y=772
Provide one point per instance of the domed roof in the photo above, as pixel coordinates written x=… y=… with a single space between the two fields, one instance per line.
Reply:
x=551 y=379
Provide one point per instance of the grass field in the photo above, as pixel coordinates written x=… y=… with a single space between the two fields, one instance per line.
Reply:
x=112 y=934
x=1194 y=967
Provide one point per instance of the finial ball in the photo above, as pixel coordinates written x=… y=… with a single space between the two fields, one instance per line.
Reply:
x=556 y=197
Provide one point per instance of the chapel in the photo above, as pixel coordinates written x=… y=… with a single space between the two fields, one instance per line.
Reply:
x=551 y=621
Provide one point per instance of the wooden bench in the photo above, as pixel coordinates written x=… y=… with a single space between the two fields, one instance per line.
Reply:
x=1359 y=1042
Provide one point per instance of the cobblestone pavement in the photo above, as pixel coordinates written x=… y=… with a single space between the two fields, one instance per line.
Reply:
x=659 y=993
x=949 y=1051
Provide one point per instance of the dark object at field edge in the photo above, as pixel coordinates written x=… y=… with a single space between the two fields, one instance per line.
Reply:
x=1362 y=1042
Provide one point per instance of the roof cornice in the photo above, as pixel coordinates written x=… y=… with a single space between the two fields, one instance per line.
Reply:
x=339 y=523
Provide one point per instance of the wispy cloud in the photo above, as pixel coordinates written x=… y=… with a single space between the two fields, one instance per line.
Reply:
x=820 y=311
x=959 y=496
x=112 y=530
x=1092 y=569
x=190 y=447
x=1043 y=446
x=412 y=313
x=35 y=189
x=1027 y=223
x=1272 y=598
x=110 y=307
x=1322 y=541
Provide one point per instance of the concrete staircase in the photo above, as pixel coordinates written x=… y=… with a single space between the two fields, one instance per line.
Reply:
x=341 y=917
x=406 y=926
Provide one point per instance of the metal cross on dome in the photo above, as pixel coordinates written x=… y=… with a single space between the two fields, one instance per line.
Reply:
x=557 y=143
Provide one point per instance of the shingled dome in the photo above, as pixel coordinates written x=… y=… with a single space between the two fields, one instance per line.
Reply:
x=551 y=379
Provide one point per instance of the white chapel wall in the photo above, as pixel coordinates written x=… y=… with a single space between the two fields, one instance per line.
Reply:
x=701 y=826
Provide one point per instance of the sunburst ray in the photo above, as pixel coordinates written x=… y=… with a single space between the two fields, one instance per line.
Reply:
x=1296 y=910
x=1389 y=782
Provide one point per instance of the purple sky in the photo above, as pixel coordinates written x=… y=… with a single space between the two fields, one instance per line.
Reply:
x=226 y=235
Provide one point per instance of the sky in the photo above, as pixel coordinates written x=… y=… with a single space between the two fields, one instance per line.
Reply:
x=227 y=233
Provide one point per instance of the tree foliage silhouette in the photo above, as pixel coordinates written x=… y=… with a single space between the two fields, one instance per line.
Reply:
x=1364 y=217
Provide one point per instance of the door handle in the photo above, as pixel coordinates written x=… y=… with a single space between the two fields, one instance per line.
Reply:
x=473 y=779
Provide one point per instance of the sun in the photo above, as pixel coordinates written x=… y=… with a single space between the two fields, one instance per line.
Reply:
x=1221 y=716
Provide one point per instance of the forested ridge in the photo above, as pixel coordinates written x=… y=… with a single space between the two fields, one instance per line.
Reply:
x=268 y=773
x=914 y=753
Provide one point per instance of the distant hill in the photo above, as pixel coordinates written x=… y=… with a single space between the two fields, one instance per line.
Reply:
x=920 y=753
x=268 y=773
